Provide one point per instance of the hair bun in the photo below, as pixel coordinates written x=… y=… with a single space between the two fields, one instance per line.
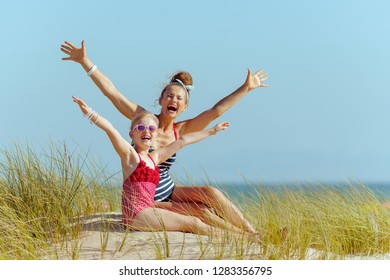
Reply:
x=183 y=76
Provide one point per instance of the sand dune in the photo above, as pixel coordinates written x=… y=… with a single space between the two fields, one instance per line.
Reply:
x=103 y=237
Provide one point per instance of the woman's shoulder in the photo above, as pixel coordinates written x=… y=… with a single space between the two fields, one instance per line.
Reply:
x=180 y=127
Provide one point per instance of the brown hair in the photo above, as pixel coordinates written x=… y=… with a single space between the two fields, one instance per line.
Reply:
x=184 y=77
x=142 y=115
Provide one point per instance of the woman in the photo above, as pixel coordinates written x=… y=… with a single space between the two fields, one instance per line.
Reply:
x=201 y=201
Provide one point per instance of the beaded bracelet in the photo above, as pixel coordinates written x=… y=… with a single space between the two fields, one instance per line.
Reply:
x=89 y=115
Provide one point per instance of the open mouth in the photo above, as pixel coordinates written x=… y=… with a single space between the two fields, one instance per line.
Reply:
x=172 y=108
x=146 y=137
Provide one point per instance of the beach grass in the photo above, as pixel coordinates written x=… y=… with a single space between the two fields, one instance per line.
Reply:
x=45 y=195
x=41 y=193
x=337 y=222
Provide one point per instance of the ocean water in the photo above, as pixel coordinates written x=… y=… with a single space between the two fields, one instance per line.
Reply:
x=246 y=188
x=380 y=190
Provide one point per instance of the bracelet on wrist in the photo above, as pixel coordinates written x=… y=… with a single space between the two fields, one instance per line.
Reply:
x=89 y=115
x=90 y=72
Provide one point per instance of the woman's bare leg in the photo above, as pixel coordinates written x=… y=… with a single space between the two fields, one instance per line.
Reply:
x=215 y=199
x=199 y=210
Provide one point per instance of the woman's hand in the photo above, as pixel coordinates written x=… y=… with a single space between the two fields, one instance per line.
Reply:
x=83 y=106
x=74 y=53
x=256 y=80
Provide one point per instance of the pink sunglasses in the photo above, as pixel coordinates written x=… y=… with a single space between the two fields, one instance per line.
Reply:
x=142 y=127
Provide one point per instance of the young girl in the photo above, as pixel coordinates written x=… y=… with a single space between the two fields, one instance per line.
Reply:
x=141 y=174
x=201 y=201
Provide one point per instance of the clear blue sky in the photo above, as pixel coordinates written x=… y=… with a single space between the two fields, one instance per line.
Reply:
x=324 y=117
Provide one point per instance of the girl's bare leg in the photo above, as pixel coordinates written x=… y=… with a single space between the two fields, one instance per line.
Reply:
x=214 y=199
x=199 y=210
x=155 y=219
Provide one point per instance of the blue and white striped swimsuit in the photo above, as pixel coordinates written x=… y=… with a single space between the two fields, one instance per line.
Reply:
x=165 y=187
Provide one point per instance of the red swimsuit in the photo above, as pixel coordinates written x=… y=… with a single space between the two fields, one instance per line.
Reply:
x=138 y=190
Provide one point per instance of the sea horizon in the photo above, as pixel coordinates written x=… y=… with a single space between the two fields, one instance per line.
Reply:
x=380 y=189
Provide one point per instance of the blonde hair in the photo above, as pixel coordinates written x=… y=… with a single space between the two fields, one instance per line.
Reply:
x=142 y=115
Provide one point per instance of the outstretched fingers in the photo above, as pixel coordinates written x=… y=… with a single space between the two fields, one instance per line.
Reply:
x=65 y=51
x=259 y=72
x=83 y=106
x=75 y=99
x=261 y=76
x=78 y=101
x=70 y=44
x=67 y=48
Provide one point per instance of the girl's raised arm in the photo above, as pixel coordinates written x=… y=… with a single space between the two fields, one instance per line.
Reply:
x=162 y=154
x=121 y=146
x=79 y=55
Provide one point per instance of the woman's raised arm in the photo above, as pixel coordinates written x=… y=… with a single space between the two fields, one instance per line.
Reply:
x=205 y=118
x=79 y=55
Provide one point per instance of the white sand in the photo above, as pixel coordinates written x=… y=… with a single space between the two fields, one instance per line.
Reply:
x=102 y=237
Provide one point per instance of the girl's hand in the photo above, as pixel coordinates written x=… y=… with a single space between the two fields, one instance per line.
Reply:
x=74 y=53
x=221 y=126
x=83 y=106
x=256 y=80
